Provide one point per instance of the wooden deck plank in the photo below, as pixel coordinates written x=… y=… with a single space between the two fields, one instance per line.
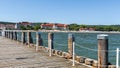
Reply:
x=15 y=55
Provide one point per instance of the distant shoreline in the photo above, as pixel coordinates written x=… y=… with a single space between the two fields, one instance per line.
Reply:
x=116 y=32
x=102 y=32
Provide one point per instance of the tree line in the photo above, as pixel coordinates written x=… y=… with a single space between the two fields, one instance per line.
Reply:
x=36 y=27
x=72 y=26
x=76 y=27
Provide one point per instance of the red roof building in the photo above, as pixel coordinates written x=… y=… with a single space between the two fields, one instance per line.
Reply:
x=10 y=26
x=7 y=26
x=25 y=23
x=54 y=26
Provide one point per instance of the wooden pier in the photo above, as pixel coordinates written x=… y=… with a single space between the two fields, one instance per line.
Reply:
x=16 y=52
x=16 y=55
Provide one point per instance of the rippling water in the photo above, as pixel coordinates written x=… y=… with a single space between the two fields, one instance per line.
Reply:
x=86 y=43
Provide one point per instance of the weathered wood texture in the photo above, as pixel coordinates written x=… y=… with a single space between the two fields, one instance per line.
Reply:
x=38 y=40
x=102 y=51
x=15 y=55
x=28 y=38
x=50 y=37
x=70 y=44
x=23 y=37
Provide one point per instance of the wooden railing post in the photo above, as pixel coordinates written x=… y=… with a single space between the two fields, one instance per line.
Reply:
x=117 y=58
x=12 y=35
x=50 y=43
x=5 y=33
x=15 y=35
x=38 y=37
x=23 y=37
x=28 y=38
x=102 y=51
x=70 y=44
x=8 y=34
x=73 y=55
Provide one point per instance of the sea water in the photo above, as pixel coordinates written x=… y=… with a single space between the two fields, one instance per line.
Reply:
x=86 y=44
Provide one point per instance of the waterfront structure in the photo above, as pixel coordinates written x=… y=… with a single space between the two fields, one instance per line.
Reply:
x=7 y=26
x=102 y=47
x=51 y=26
x=24 y=57
x=25 y=24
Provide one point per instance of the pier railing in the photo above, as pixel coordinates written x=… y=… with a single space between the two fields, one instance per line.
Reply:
x=46 y=41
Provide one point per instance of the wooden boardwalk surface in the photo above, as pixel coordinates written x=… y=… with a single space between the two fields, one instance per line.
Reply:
x=16 y=55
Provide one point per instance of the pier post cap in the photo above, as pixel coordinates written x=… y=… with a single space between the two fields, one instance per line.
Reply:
x=70 y=35
x=50 y=33
x=102 y=36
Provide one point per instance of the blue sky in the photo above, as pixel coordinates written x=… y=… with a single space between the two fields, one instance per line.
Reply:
x=90 y=12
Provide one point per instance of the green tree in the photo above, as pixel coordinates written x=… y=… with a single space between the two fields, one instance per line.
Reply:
x=36 y=27
x=22 y=28
x=83 y=26
x=29 y=27
x=74 y=27
x=108 y=28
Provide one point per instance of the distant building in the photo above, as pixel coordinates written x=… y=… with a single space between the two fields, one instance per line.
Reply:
x=25 y=24
x=2 y=26
x=10 y=26
x=87 y=29
x=7 y=26
x=54 y=26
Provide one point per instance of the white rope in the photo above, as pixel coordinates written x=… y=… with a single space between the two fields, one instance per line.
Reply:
x=78 y=45
x=93 y=49
x=59 y=44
